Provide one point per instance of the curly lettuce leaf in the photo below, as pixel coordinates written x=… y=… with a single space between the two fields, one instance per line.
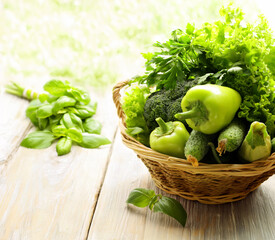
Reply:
x=133 y=106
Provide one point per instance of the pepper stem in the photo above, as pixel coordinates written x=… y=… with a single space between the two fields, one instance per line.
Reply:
x=194 y=112
x=162 y=124
x=165 y=128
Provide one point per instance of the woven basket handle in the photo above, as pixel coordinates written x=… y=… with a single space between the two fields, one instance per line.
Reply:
x=116 y=99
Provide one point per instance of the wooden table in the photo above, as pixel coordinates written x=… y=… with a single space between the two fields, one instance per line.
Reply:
x=82 y=195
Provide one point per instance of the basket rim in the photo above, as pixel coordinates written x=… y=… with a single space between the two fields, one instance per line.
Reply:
x=251 y=169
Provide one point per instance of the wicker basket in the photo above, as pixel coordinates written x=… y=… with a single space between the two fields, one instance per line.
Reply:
x=207 y=183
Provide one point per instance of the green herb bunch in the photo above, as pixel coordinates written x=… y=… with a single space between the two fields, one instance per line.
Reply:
x=229 y=52
x=64 y=113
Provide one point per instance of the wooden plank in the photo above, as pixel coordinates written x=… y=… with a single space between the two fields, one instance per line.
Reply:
x=13 y=124
x=251 y=218
x=43 y=196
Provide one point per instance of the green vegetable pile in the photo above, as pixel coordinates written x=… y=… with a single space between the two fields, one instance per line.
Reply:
x=64 y=113
x=218 y=80
x=231 y=53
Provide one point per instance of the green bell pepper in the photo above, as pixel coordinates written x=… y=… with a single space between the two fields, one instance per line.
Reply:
x=169 y=138
x=209 y=108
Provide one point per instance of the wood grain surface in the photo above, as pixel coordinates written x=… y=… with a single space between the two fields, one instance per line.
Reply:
x=82 y=195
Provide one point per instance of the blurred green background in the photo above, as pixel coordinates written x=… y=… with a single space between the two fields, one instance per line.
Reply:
x=95 y=42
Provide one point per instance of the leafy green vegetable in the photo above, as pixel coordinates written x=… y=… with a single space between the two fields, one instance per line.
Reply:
x=63 y=146
x=62 y=102
x=231 y=52
x=38 y=140
x=141 y=197
x=44 y=111
x=172 y=208
x=93 y=140
x=92 y=126
x=133 y=106
x=56 y=87
x=62 y=113
x=75 y=135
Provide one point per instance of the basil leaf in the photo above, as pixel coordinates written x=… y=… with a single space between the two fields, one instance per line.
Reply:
x=44 y=111
x=76 y=121
x=55 y=87
x=75 y=135
x=153 y=201
x=79 y=94
x=62 y=102
x=54 y=120
x=38 y=140
x=67 y=121
x=172 y=208
x=59 y=130
x=34 y=119
x=43 y=123
x=43 y=97
x=33 y=106
x=92 y=126
x=51 y=98
x=85 y=111
x=93 y=140
x=141 y=197
x=63 y=146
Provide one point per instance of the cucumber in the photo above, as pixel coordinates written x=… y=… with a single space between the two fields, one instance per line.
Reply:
x=197 y=147
x=231 y=138
x=257 y=143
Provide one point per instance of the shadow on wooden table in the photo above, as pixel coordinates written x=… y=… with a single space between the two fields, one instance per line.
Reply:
x=250 y=218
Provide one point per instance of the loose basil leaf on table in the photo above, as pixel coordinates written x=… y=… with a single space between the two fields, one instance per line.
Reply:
x=142 y=197
x=172 y=208
x=63 y=146
x=93 y=140
x=92 y=126
x=38 y=140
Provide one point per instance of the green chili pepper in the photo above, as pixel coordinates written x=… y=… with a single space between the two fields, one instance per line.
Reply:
x=209 y=108
x=169 y=138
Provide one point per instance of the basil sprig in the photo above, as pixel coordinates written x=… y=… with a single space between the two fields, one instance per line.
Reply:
x=64 y=113
x=141 y=197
